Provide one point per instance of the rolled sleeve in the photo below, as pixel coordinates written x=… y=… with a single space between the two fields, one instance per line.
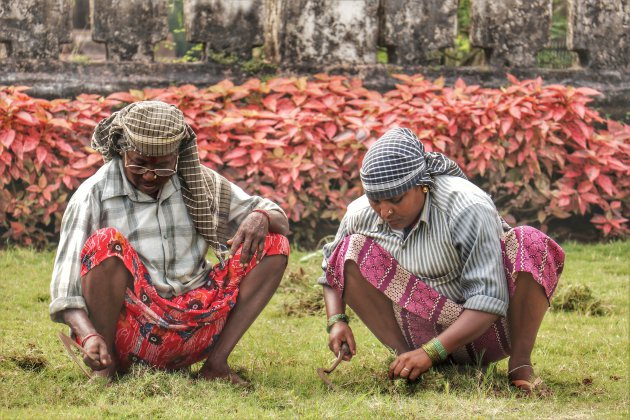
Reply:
x=76 y=226
x=62 y=303
x=476 y=234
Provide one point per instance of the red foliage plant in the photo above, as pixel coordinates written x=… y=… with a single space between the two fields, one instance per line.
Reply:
x=299 y=141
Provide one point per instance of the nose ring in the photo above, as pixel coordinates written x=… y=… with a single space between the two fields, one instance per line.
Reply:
x=390 y=211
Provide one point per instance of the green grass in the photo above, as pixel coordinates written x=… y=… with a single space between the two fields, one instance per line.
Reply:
x=584 y=359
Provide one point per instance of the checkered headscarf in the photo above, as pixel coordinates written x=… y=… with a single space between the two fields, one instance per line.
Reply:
x=154 y=128
x=397 y=162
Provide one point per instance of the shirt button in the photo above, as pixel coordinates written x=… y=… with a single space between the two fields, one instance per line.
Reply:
x=164 y=236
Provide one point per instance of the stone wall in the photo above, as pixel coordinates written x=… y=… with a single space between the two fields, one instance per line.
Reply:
x=308 y=36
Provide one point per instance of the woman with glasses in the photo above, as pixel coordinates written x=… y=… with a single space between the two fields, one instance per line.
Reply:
x=131 y=278
x=427 y=263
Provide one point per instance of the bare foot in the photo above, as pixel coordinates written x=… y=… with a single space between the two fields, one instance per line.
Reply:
x=222 y=373
x=105 y=375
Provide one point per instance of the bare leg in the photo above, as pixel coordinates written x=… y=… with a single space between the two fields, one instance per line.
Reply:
x=525 y=314
x=374 y=309
x=256 y=290
x=104 y=290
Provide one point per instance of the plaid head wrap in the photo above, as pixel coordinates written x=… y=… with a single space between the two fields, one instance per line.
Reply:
x=154 y=128
x=396 y=162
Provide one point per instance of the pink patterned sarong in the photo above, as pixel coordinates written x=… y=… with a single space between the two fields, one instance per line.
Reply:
x=423 y=313
x=176 y=332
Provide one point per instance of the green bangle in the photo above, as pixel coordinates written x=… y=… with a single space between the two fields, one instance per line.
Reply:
x=435 y=350
x=336 y=318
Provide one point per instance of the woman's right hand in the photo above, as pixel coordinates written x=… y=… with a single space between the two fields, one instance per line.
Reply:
x=99 y=357
x=341 y=333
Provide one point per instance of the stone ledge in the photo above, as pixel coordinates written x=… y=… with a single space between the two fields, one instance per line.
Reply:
x=67 y=80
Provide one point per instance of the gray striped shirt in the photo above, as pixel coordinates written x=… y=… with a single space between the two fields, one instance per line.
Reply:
x=454 y=248
x=160 y=230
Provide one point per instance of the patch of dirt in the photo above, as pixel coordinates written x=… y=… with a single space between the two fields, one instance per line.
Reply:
x=33 y=363
x=304 y=303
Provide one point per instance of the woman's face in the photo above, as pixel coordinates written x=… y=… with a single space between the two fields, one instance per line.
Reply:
x=149 y=183
x=401 y=211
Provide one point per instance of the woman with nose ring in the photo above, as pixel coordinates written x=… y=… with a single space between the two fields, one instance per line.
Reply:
x=427 y=263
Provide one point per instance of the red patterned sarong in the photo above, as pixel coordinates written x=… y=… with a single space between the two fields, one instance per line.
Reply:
x=423 y=313
x=176 y=332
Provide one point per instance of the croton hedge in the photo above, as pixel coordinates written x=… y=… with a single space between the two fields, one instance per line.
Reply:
x=539 y=149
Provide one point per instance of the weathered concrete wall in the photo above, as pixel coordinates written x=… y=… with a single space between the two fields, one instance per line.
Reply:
x=34 y=29
x=130 y=28
x=309 y=36
x=600 y=32
x=511 y=31
x=329 y=32
x=413 y=28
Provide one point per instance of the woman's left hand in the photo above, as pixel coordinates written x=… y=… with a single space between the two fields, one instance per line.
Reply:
x=251 y=233
x=410 y=365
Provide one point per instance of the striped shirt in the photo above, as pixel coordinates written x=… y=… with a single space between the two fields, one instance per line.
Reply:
x=454 y=248
x=160 y=230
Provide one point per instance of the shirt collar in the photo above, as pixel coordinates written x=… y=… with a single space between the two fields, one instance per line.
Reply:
x=117 y=184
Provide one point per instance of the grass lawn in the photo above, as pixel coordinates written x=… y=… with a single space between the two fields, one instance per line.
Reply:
x=583 y=358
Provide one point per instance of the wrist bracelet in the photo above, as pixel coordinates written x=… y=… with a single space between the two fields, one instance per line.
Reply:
x=336 y=318
x=90 y=335
x=435 y=350
x=265 y=213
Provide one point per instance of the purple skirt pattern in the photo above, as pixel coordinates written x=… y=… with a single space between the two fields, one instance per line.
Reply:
x=423 y=313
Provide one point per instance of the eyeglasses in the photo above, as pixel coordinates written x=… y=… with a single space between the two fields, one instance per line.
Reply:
x=141 y=170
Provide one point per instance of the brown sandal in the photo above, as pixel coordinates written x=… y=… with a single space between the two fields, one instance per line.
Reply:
x=527 y=386
x=536 y=387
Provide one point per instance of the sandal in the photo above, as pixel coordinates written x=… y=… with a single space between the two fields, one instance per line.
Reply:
x=527 y=386
x=536 y=387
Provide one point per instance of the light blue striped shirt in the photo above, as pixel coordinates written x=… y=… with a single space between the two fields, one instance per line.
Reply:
x=159 y=229
x=454 y=248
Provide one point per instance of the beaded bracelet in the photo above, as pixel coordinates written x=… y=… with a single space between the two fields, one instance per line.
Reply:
x=265 y=213
x=435 y=350
x=336 y=318
x=90 y=335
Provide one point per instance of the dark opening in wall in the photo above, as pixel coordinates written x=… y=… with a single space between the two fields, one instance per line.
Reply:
x=463 y=53
x=175 y=48
x=556 y=55
x=82 y=49
x=81 y=14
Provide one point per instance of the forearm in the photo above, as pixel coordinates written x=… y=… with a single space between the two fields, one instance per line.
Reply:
x=78 y=321
x=334 y=303
x=278 y=223
x=469 y=326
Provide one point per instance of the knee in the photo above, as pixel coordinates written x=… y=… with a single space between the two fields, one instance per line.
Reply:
x=107 y=237
x=111 y=272
x=277 y=244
